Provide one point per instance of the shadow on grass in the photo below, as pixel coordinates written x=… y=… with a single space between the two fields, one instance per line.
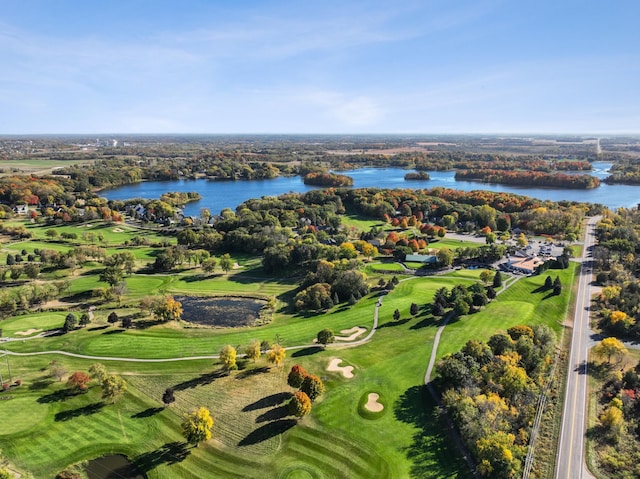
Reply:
x=307 y=351
x=114 y=331
x=170 y=453
x=268 y=431
x=274 y=414
x=426 y=322
x=40 y=384
x=268 y=401
x=81 y=411
x=432 y=452
x=246 y=373
x=391 y=324
x=57 y=396
x=98 y=328
x=194 y=278
x=152 y=411
x=201 y=380
x=597 y=370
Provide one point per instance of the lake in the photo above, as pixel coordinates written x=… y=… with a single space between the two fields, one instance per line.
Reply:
x=217 y=195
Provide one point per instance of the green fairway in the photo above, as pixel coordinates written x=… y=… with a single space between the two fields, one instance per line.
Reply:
x=524 y=302
x=37 y=321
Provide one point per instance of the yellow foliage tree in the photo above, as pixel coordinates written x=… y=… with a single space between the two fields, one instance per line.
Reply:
x=610 y=347
x=196 y=426
x=276 y=355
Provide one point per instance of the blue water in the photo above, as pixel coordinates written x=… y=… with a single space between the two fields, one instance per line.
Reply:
x=217 y=195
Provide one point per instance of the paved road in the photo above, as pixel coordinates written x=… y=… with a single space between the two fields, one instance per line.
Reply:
x=571 y=449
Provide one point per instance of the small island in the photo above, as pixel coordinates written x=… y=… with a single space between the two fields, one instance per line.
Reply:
x=419 y=175
x=327 y=179
x=529 y=178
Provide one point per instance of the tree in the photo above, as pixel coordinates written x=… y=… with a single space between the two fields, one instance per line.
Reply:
x=31 y=270
x=610 y=347
x=196 y=426
x=127 y=322
x=168 y=396
x=57 y=370
x=168 y=309
x=113 y=387
x=300 y=404
x=276 y=355
x=5 y=474
x=413 y=309
x=296 y=376
x=112 y=318
x=548 y=283
x=612 y=419
x=437 y=309
x=226 y=263
x=312 y=386
x=445 y=256
x=78 y=381
x=112 y=275
x=325 y=337
x=396 y=315
x=557 y=286
x=228 y=358
x=69 y=323
x=485 y=275
x=209 y=265
x=497 y=280
x=253 y=351
x=98 y=371
x=491 y=293
x=84 y=319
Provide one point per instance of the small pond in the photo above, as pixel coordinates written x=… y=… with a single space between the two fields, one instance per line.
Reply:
x=115 y=466
x=225 y=312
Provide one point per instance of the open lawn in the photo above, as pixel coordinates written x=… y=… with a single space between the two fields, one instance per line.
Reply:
x=36 y=321
x=524 y=302
x=361 y=223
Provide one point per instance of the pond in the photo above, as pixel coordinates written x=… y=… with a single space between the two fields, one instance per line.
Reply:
x=217 y=195
x=223 y=312
x=115 y=466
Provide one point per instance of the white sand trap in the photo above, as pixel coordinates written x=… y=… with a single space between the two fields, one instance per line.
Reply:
x=236 y=266
x=28 y=332
x=347 y=371
x=353 y=332
x=372 y=403
x=117 y=230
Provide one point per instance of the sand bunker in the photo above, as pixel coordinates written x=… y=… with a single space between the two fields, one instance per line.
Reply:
x=28 y=332
x=372 y=403
x=347 y=371
x=353 y=332
x=117 y=230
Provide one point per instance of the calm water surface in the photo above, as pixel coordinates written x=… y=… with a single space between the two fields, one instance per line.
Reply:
x=217 y=195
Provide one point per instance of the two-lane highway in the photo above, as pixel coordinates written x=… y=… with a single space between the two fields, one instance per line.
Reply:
x=571 y=449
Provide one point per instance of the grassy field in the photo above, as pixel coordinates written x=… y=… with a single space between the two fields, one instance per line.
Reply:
x=45 y=428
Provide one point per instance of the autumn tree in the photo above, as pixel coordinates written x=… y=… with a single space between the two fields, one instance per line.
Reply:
x=485 y=275
x=276 y=355
x=167 y=309
x=253 y=350
x=300 y=404
x=168 y=396
x=98 y=372
x=325 y=336
x=610 y=347
x=228 y=358
x=196 y=426
x=296 y=376
x=113 y=387
x=78 y=381
x=612 y=419
x=312 y=386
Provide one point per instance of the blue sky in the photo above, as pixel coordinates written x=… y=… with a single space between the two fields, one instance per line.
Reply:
x=446 y=66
